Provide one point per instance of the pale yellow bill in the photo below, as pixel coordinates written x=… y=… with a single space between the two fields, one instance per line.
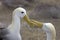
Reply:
x=33 y=23
x=37 y=23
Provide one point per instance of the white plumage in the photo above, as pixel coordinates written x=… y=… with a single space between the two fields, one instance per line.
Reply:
x=13 y=30
x=50 y=31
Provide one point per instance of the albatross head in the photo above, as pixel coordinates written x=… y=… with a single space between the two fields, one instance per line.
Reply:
x=21 y=12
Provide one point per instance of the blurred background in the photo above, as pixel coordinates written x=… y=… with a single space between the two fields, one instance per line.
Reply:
x=40 y=10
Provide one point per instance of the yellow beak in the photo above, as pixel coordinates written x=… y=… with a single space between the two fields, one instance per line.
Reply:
x=33 y=23
x=26 y=19
x=38 y=24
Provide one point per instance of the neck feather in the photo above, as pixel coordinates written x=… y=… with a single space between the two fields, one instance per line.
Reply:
x=15 y=26
x=50 y=36
x=50 y=31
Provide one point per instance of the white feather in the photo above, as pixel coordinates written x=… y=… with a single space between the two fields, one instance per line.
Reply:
x=50 y=31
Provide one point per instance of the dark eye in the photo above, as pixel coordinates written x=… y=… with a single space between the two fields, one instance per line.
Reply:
x=22 y=12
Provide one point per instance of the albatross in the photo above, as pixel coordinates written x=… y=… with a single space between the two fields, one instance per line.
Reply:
x=12 y=32
x=48 y=28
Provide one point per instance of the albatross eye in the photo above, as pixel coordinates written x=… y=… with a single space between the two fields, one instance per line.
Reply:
x=22 y=12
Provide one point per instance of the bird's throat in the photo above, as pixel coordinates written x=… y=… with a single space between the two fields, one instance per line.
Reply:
x=15 y=25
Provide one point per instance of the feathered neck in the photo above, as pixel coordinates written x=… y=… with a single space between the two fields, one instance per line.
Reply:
x=15 y=25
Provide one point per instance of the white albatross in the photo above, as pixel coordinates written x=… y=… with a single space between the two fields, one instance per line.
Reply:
x=14 y=28
x=48 y=28
x=12 y=32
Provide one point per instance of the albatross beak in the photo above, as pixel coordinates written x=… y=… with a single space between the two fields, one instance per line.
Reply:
x=32 y=23
x=37 y=23
x=26 y=19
